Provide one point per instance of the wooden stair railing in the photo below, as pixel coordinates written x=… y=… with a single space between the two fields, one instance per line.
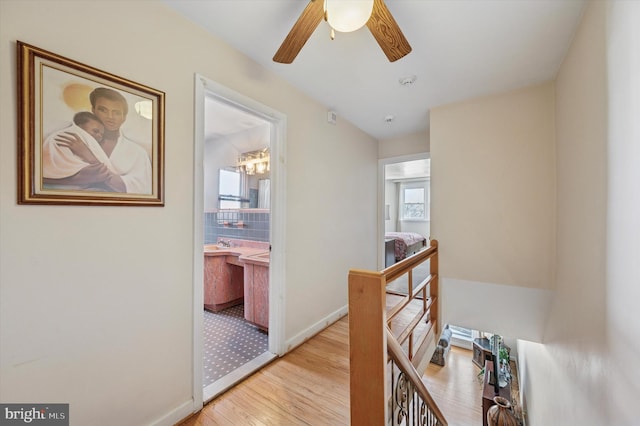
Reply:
x=389 y=336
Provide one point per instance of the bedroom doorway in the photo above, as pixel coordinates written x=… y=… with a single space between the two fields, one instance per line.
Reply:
x=405 y=195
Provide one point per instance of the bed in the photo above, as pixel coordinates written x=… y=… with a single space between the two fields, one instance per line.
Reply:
x=406 y=243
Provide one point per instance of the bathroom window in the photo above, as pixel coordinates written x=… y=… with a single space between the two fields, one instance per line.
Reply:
x=230 y=189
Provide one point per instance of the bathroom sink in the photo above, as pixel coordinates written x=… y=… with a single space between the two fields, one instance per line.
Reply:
x=211 y=247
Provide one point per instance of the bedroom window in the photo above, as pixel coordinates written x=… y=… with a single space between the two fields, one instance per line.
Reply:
x=414 y=203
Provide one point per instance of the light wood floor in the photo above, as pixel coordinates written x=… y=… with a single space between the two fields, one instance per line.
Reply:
x=456 y=388
x=310 y=386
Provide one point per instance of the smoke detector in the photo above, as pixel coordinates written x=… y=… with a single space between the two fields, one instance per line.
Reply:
x=389 y=118
x=408 y=81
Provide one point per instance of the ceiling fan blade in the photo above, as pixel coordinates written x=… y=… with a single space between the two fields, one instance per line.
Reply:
x=387 y=33
x=300 y=33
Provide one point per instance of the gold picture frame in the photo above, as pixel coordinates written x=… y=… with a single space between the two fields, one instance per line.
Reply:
x=86 y=136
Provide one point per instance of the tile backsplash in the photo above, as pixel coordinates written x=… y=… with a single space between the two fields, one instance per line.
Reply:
x=239 y=224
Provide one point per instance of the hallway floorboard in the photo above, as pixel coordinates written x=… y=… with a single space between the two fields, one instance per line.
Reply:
x=310 y=386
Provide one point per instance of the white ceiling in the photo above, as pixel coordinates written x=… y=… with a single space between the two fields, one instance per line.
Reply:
x=224 y=120
x=461 y=49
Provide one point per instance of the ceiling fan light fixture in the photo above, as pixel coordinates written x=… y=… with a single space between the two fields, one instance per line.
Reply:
x=348 y=15
x=338 y=13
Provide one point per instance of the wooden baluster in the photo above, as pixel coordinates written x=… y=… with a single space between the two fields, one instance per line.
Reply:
x=434 y=290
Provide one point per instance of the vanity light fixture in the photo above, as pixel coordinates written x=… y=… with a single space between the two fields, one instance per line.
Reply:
x=254 y=162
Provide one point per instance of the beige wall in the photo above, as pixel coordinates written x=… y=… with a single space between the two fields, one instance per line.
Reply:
x=417 y=143
x=492 y=164
x=591 y=347
x=585 y=372
x=571 y=361
x=623 y=212
x=96 y=302
x=492 y=210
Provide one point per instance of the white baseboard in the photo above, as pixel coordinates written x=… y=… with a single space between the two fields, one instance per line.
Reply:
x=181 y=412
x=316 y=328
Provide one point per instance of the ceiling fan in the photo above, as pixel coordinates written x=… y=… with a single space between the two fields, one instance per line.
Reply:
x=379 y=21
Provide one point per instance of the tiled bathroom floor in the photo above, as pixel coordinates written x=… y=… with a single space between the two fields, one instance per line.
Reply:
x=229 y=342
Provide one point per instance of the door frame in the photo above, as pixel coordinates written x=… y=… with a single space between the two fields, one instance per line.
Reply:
x=205 y=87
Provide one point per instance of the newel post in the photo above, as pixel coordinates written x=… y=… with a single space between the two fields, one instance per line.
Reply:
x=367 y=347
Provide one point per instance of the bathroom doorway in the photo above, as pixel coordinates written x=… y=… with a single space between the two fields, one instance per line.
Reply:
x=239 y=206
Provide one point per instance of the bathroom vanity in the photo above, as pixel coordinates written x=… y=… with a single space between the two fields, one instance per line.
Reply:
x=237 y=274
x=256 y=289
x=223 y=280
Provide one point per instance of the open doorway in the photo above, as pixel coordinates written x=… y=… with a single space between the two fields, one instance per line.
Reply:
x=237 y=205
x=238 y=237
x=404 y=187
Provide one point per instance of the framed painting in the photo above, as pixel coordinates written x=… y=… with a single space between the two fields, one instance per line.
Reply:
x=86 y=136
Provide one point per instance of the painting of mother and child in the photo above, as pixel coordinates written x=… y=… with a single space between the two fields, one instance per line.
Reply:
x=92 y=153
x=86 y=136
